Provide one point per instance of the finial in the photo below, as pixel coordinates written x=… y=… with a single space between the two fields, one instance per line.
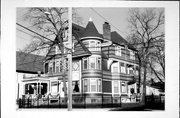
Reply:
x=90 y=19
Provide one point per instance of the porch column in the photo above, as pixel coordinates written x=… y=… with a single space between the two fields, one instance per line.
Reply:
x=135 y=87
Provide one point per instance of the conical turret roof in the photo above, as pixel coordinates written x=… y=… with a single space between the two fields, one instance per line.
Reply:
x=91 y=31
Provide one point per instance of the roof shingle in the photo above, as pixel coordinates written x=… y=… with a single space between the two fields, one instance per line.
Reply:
x=91 y=31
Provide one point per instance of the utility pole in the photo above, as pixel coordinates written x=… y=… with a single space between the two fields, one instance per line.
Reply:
x=70 y=60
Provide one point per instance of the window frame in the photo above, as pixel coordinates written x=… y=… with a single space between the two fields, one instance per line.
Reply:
x=92 y=85
x=116 y=82
x=95 y=60
x=125 y=87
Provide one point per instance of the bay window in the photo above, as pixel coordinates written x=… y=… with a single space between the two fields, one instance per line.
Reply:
x=92 y=62
x=99 y=85
x=93 y=45
x=85 y=85
x=92 y=85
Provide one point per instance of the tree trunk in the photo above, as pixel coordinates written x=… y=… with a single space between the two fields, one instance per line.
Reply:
x=144 y=86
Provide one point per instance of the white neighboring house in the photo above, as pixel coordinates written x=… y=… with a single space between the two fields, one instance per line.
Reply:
x=154 y=89
x=27 y=65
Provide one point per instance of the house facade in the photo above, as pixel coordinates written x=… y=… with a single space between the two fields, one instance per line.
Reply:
x=104 y=65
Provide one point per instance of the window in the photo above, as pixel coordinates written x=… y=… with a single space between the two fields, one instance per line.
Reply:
x=116 y=87
x=60 y=65
x=98 y=63
x=85 y=63
x=118 y=50
x=85 y=85
x=123 y=87
x=93 y=45
x=57 y=66
x=46 y=67
x=131 y=70
x=93 y=85
x=54 y=86
x=53 y=66
x=115 y=67
x=123 y=69
x=50 y=67
x=92 y=63
x=75 y=86
x=99 y=85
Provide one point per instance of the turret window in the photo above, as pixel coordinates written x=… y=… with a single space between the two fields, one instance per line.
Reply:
x=92 y=63
x=93 y=45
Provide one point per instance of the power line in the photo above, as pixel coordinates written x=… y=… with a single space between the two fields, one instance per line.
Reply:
x=24 y=32
x=107 y=20
x=38 y=34
x=33 y=32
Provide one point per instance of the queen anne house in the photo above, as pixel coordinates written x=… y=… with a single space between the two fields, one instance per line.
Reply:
x=99 y=70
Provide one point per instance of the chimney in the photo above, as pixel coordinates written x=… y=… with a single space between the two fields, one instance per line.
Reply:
x=106 y=31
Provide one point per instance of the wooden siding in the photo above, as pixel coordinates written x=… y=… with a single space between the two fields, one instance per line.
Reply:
x=91 y=74
x=110 y=52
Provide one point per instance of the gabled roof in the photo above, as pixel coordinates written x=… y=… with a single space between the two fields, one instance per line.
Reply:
x=91 y=31
x=118 y=39
x=29 y=63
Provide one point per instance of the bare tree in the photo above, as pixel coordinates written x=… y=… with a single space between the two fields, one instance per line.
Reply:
x=51 y=23
x=146 y=29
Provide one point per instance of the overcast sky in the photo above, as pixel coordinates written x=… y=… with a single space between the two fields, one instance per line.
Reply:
x=115 y=16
